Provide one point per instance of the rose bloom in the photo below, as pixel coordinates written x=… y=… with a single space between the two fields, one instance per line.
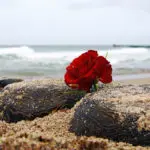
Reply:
x=87 y=68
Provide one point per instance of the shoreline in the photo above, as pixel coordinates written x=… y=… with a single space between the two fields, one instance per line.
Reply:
x=131 y=76
x=115 y=77
x=133 y=79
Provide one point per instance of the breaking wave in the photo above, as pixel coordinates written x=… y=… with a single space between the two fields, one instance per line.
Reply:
x=51 y=62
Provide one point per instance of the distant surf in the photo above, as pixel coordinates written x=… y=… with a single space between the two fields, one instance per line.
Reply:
x=51 y=61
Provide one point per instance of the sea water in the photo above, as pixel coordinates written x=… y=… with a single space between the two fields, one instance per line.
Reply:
x=51 y=61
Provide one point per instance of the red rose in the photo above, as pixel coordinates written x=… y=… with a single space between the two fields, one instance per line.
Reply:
x=87 y=68
x=103 y=69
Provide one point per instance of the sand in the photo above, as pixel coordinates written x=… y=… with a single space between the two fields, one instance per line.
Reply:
x=136 y=81
x=52 y=132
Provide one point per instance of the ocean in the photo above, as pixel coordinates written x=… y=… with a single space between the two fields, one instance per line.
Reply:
x=51 y=61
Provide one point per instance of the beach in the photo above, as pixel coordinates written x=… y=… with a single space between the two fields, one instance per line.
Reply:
x=75 y=75
x=52 y=132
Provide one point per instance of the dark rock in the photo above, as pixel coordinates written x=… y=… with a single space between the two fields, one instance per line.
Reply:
x=6 y=81
x=30 y=99
x=120 y=113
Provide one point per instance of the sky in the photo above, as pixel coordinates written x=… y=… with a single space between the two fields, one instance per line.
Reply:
x=74 y=22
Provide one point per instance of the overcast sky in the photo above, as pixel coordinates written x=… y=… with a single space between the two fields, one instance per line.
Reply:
x=74 y=21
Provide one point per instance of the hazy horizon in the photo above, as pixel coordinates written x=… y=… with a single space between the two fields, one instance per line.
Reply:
x=103 y=45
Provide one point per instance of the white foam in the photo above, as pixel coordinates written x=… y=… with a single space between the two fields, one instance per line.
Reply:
x=128 y=54
x=20 y=51
x=119 y=57
x=28 y=53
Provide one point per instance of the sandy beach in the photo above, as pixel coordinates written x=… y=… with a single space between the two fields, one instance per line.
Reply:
x=52 y=132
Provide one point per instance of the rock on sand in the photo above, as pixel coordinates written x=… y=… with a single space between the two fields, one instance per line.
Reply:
x=30 y=99
x=5 y=81
x=120 y=113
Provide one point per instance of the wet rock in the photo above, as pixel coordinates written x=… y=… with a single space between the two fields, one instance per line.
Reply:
x=6 y=81
x=30 y=99
x=120 y=113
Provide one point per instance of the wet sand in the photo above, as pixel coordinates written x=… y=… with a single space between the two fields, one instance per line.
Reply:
x=135 y=81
